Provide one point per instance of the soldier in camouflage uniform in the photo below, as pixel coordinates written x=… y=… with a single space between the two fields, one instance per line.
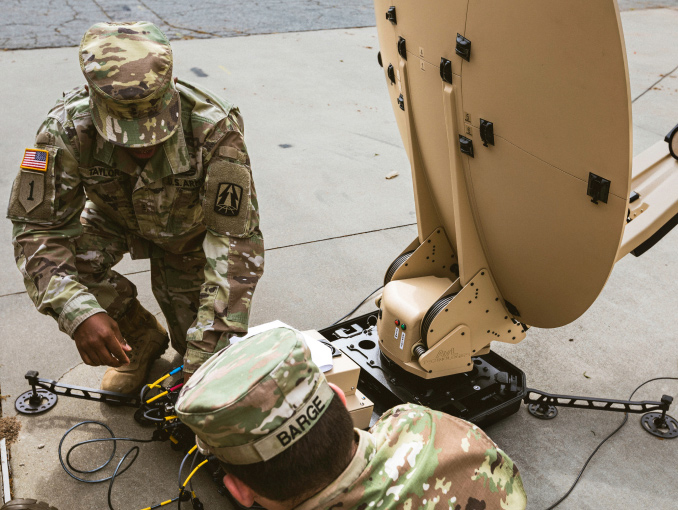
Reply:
x=136 y=162
x=286 y=440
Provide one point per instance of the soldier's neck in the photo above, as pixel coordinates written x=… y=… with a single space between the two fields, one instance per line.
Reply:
x=270 y=504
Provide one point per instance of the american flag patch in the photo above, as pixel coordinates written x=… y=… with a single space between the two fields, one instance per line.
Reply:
x=35 y=159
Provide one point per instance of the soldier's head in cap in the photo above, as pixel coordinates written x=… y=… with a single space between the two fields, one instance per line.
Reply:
x=281 y=432
x=128 y=68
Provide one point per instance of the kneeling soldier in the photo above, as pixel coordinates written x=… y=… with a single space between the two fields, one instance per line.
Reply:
x=137 y=162
x=286 y=440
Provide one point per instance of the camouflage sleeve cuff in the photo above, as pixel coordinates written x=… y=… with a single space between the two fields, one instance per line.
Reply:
x=194 y=358
x=79 y=308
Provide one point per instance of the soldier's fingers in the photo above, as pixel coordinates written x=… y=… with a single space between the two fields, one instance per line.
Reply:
x=115 y=356
x=97 y=350
x=114 y=346
x=85 y=358
x=122 y=342
x=105 y=353
x=92 y=354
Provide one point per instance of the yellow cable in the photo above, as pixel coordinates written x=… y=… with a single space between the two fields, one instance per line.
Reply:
x=192 y=449
x=156 y=397
x=157 y=383
x=166 y=502
x=193 y=472
x=168 y=418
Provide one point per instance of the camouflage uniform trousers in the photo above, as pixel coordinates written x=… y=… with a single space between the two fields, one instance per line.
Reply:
x=175 y=279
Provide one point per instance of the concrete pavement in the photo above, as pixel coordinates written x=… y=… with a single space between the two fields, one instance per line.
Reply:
x=322 y=136
x=54 y=23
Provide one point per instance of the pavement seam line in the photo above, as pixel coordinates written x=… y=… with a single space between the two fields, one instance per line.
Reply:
x=341 y=237
x=655 y=84
x=69 y=371
x=102 y=10
x=175 y=26
x=13 y=293
x=273 y=249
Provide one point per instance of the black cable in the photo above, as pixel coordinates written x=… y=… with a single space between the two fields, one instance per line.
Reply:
x=182 y=489
x=359 y=305
x=134 y=449
x=71 y=470
x=626 y=419
x=154 y=410
x=181 y=466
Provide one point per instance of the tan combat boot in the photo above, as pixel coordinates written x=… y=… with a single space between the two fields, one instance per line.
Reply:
x=148 y=340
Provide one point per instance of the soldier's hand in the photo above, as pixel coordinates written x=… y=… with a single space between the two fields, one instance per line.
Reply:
x=99 y=342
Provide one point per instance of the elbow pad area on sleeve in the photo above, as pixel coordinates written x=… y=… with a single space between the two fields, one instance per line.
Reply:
x=34 y=191
x=227 y=204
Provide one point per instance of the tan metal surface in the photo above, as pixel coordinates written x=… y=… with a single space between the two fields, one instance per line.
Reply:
x=467 y=236
x=434 y=257
x=550 y=249
x=452 y=355
x=344 y=373
x=552 y=77
x=655 y=178
x=421 y=24
x=553 y=80
x=474 y=317
x=479 y=307
x=407 y=301
x=360 y=408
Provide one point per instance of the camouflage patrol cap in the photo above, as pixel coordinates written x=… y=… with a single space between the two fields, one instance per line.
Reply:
x=128 y=67
x=255 y=399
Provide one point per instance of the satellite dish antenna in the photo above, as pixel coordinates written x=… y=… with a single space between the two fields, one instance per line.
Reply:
x=516 y=117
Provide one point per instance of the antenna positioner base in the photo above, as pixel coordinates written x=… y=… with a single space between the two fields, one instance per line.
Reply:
x=543 y=411
x=660 y=425
x=28 y=403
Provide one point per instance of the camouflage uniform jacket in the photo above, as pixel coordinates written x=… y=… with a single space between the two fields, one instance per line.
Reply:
x=415 y=458
x=170 y=204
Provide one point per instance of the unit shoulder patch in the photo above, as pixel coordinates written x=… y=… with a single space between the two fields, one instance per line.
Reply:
x=33 y=191
x=227 y=198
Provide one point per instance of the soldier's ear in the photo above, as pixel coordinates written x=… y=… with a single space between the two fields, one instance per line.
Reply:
x=338 y=391
x=241 y=492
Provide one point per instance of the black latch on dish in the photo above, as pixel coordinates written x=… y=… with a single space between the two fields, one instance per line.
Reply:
x=381 y=64
x=598 y=188
x=446 y=70
x=390 y=72
x=512 y=308
x=402 y=48
x=633 y=197
x=466 y=145
x=401 y=102
x=486 y=132
x=391 y=15
x=463 y=47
